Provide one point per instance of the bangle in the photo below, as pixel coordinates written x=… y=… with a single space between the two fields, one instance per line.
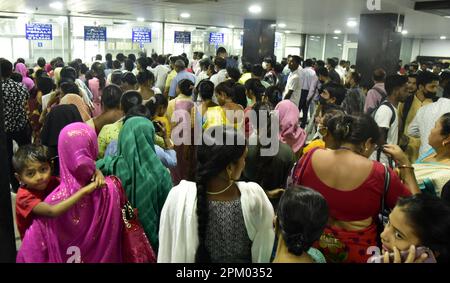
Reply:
x=405 y=167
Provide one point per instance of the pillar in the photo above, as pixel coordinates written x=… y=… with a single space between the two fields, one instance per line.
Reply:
x=258 y=41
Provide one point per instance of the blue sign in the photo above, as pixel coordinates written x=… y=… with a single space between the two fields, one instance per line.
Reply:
x=142 y=35
x=216 y=38
x=38 y=32
x=92 y=33
x=183 y=37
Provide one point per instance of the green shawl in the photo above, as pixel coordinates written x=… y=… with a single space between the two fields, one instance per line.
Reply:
x=145 y=179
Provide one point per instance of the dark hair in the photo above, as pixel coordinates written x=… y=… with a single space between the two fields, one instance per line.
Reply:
x=220 y=50
x=132 y=57
x=353 y=129
x=255 y=86
x=116 y=64
x=83 y=68
x=239 y=96
x=246 y=67
x=445 y=122
x=161 y=60
x=430 y=217
x=41 y=62
x=69 y=87
x=6 y=68
x=356 y=77
x=155 y=102
x=309 y=63
x=302 y=215
x=212 y=160
x=379 y=75
x=138 y=111
x=220 y=62
x=445 y=76
x=322 y=71
x=445 y=194
x=226 y=87
x=120 y=57
x=98 y=57
x=412 y=76
x=296 y=59
x=111 y=96
x=337 y=91
x=269 y=60
x=320 y=63
x=129 y=99
x=234 y=73
x=425 y=78
x=142 y=61
x=173 y=59
x=394 y=82
x=16 y=77
x=332 y=62
x=129 y=78
x=204 y=63
x=108 y=57
x=206 y=89
x=27 y=153
x=186 y=87
x=258 y=71
x=145 y=76
x=76 y=66
x=116 y=77
x=99 y=73
x=69 y=73
x=40 y=73
x=129 y=65
x=44 y=84
x=274 y=95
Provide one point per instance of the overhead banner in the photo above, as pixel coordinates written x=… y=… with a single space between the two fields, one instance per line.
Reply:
x=38 y=31
x=216 y=38
x=183 y=37
x=92 y=33
x=141 y=35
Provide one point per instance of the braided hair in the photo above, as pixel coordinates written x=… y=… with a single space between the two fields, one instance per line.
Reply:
x=212 y=160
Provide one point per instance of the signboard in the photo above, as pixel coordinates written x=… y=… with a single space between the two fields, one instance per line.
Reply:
x=142 y=35
x=183 y=37
x=216 y=38
x=38 y=31
x=92 y=33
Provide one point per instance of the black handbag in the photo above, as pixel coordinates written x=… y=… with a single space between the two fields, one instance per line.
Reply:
x=383 y=216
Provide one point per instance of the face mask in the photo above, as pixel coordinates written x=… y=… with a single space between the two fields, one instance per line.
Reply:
x=264 y=65
x=430 y=95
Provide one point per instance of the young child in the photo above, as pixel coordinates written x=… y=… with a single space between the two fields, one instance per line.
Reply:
x=33 y=171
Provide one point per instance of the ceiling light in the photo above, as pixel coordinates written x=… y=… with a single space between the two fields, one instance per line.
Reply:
x=255 y=9
x=352 y=23
x=281 y=25
x=448 y=17
x=336 y=37
x=338 y=31
x=242 y=33
x=185 y=15
x=404 y=32
x=140 y=19
x=443 y=37
x=287 y=31
x=212 y=27
x=56 y=5
x=231 y=26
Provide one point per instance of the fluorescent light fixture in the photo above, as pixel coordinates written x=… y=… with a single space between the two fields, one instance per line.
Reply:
x=443 y=37
x=185 y=15
x=336 y=37
x=231 y=26
x=404 y=32
x=140 y=19
x=338 y=31
x=242 y=33
x=287 y=31
x=281 y=25
x=255 y=9
x=212 y=27
x=56 y=5
x=352 y=23
x=448 y=17
x=340 y=45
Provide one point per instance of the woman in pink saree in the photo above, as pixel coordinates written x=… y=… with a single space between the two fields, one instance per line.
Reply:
x=89 y=232
x=26 y=81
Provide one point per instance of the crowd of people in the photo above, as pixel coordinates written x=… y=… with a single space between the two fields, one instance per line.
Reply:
x=98 y=152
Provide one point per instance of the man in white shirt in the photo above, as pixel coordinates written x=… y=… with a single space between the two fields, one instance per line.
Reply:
x=425 y=120
x=386 y=115
x=308 y=79
x=161 y=71
x=293 y=88
x=220 y=65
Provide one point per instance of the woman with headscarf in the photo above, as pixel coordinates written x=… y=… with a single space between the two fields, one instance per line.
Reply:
x=96 y=85
x=145 y=179
x=90 y=231
x=26 y=81
x=59 y=117
x=290 y=132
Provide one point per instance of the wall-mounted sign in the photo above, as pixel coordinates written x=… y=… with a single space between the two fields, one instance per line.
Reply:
x=92 y=33
x=142 y=35
x=38 y=31
x=216 y=38
x=182 y=37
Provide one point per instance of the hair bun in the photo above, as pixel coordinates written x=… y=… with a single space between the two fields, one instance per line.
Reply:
x=295 y=243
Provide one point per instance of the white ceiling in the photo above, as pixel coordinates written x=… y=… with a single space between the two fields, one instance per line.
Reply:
x=301 y=16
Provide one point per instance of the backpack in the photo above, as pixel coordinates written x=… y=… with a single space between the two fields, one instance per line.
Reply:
x=374 y=112
x=383 y=94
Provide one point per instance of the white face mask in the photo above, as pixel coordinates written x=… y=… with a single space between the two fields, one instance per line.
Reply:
x=264 y=65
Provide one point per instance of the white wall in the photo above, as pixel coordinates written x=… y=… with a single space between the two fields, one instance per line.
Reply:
x=437 y=48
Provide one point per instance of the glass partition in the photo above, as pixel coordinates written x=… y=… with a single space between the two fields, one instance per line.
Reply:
x=314 y=46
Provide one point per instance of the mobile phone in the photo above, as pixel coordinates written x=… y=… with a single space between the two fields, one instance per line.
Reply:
x=404 y=255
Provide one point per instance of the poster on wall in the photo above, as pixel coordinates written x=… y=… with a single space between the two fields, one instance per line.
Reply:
x=141 y=35
x=36 y=31
x=216 y=38
x=182 y=37
x=92 y=33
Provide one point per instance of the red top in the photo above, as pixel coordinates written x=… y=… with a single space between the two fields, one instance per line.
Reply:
x=26 y=200
x=360 y=203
